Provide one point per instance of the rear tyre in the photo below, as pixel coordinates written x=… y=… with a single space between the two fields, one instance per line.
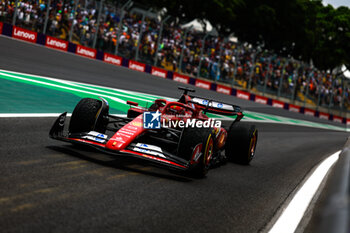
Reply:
x=89 y=115
x=241 y=143
x=193 y=139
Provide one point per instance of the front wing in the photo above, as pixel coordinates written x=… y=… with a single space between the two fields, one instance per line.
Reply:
x=99 y=141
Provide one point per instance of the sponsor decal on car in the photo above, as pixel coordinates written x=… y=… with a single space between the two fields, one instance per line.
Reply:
x=213 y=104
x=136 y=123
x=197 y=152
x=119 y=139
x=112 y=59
x=122 y=131
x=121 y=134
x=138 y=66
x=95 y=136
x=159 y=72
x=55 y=43
x=86 y=52
x=149 y=149
x=24 y=34
x=203 y=84
x=132 y=127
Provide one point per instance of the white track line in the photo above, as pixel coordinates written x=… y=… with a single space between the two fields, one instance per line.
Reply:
x=294 y=212
x=80 y=83
x=65 y=88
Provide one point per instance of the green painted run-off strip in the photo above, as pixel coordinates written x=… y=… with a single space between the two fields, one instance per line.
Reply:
x=26 y=93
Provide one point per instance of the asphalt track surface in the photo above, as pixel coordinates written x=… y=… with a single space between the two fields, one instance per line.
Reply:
x=51 y=186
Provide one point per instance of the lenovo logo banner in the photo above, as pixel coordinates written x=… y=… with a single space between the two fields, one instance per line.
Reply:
x=337 y=119
x=294 y=108
x=260 y=99
x=1 y=27
x=138 y=66
x=159 y=72
x=309 y=112
x=181 y=78
x=243 y=95
x=323 y=116
x=85 y=51
x=24 y=34
x=277 y=104
x=223 y=89
x=112 y=59
x=55 y=43
x=203 y=84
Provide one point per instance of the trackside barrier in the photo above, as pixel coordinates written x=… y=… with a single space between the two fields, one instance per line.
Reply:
x=24 y=34
x=6 y=29
x=337 y=119
x=309 y=112
x=203 y=84
x=223 y=89
x=323 y=115
x=243 y=95
x=159 y=72
x=294 y=108
x=41 y=39
x=277 y=104
x=260 y=99
x=181 y=78
x=138 y=66
x=112 y=59
x=54 y=43
x=86 y=52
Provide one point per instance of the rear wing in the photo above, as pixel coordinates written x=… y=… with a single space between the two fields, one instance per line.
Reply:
x=213 y=106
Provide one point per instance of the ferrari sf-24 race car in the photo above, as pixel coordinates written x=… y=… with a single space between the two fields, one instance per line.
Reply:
x=192 y=149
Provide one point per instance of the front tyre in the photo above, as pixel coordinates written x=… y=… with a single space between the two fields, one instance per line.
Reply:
x=197 y=146
x=241 y=142
x=89 y=115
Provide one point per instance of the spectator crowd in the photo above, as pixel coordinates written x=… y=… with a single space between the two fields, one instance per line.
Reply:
x=223 y=60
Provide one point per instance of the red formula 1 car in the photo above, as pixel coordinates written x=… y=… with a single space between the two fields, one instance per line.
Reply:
x=177 y=135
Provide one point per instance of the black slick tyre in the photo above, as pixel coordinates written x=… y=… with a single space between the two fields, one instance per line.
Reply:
x=197 y=142
x=89 y=115
x=241 y=142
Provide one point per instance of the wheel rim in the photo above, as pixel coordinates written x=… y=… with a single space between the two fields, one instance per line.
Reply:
x=209 y=150
x=252 y=146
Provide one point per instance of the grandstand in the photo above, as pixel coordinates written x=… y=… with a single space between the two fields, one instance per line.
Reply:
x=136 y=33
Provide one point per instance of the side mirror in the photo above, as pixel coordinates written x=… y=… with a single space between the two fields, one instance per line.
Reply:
x=132 y=103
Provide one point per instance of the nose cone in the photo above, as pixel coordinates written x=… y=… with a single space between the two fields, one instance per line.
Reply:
x=126 y=135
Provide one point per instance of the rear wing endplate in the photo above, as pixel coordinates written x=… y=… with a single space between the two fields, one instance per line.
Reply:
x=217 y=107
